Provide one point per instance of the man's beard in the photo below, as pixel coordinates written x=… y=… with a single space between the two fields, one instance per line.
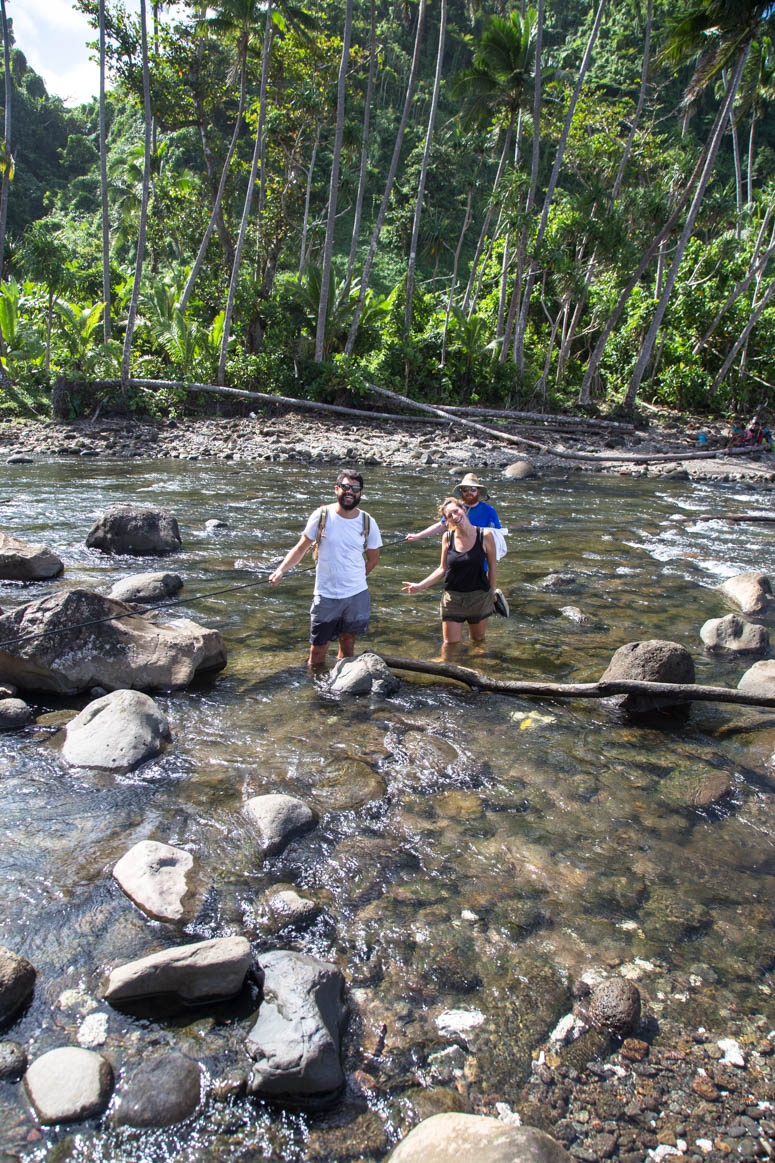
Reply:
x=348 y=501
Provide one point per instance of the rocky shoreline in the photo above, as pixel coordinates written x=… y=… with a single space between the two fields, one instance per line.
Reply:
x=295 y=437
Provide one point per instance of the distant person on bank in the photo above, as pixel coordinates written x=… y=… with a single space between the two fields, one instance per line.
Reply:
x=474 y=495
x=468 y=567
x=347 y=543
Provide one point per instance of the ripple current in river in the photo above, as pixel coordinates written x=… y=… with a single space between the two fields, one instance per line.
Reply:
x=474 y=852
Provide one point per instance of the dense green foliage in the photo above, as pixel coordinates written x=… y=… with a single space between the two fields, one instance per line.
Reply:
x=511 y=314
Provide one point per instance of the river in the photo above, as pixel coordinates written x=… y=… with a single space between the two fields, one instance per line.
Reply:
x=475 y=852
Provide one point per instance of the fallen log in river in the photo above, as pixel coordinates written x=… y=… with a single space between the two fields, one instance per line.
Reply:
x=680 y=692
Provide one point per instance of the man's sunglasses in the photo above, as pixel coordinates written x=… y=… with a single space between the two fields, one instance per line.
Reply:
x=350 y=488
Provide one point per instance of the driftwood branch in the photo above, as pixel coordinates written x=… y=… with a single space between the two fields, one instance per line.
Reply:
x=762 y=517
x=562 y=453
x=680 y=692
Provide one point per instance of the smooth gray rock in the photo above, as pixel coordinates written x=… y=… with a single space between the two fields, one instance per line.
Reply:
x=117 y=648
x=614 y=1006
x=146 y=587
x=68 y=1084
x=751 y=591
x=214 y=524
x=519 y=470
x=362 y=675
x=654 y=660
x=459 y=1138
x=13 y=1061
x=14 y=713
x=157 y=877
x=759 y=679
x=22 y=562
x=574 y=614
x=118 y=731
x=733 y=635
x=193 y=973
x=288 y=908
x=296 y=1038
x=17 y=981
x=141 y=532
x=278 y=819
x=159 y=1093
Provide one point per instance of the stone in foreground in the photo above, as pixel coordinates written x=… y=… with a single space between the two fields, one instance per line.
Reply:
x=363 y=675
x=22 y=562
x=146 y=587
x=14 y=713
x=296 y=1038
x=458 y=1138
x=119 y=731
x=157 y=877
x=17 y=981
x=278 y=819
x=654 y=660
x=69 y=1084
x=159 y=1093
x=614 y=1007
x=204 y=971
x=141 y=532
x=752 y=591
x=759 y=679
x=117 y=648
x=733 y=635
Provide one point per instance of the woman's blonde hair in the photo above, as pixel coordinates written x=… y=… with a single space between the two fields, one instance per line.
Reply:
x=449 y=501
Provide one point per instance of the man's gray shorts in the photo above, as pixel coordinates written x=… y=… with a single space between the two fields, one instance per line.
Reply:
x=330 y=617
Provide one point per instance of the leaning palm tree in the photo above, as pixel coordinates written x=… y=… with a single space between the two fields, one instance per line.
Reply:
x=104 y=182
x=6 y=158
x=126 y=357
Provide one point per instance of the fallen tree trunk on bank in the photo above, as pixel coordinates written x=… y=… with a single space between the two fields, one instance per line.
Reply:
x=680 y=692
x=762 y=517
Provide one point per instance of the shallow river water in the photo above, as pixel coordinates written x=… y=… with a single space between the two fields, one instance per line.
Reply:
x=475 y=852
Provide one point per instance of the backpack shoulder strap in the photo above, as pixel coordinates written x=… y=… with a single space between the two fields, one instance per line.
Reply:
x=322 y=517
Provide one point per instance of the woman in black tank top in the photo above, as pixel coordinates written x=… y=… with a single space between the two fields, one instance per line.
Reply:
x=469 y=587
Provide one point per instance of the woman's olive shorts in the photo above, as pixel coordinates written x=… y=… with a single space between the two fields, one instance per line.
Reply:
x=472 y=607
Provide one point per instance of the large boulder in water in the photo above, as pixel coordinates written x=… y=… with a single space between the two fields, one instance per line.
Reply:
x=142 y=532
x=733 y=635
x=22 y=562
x=118 y=732
x=146 y=587
x=752 y=591
x=73 y=645
x=454 y=1138
x=654 y=660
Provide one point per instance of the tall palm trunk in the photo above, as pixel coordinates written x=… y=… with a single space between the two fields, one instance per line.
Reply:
x=353 y=332
x=558 y=159
x=651 y=335
x=328 y=246
x=216 y=210
x=104 y=184
x=7 y=160
x=488 y=215
x=307 y=197
x=364 y=145
x=229 y=310
x=424 y=172
x=743 y=338
x=453 y=280
x=126 y=357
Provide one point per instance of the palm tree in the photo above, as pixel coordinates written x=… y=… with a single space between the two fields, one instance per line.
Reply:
x=6 y=158
x=757 y=89
x=104 y=183
x=328 y=245
x=411 y=84
x=424 y=173
x=132 y=316
x=364 y=143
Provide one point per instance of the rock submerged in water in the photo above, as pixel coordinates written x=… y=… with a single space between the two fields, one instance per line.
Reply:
x=558 y=583
x=119 y=731
x=362 y=675
x=14 y=713
x=519 y=470
x=125 y=529
x=653 y=660
x=296 y=1038
x=751 y=591
x=118 y=648
x=759 y=679
x=733 y=635
x=457 y=1138
x=17 y=981
x=203 y=971
x=69 y=1084
x=157 y=877
x=146 y=587
x=614 y=1007
x=22 y=562
x=159 y=1093
x=279 y=819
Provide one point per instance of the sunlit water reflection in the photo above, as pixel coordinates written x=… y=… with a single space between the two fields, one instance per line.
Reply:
x=474 y=851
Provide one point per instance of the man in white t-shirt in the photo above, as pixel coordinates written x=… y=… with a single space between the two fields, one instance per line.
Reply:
x=348 y=542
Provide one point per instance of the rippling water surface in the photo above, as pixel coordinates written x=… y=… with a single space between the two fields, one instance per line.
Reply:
x=475 y=852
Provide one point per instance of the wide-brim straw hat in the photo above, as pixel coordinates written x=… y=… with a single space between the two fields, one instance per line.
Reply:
x=471 y=481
